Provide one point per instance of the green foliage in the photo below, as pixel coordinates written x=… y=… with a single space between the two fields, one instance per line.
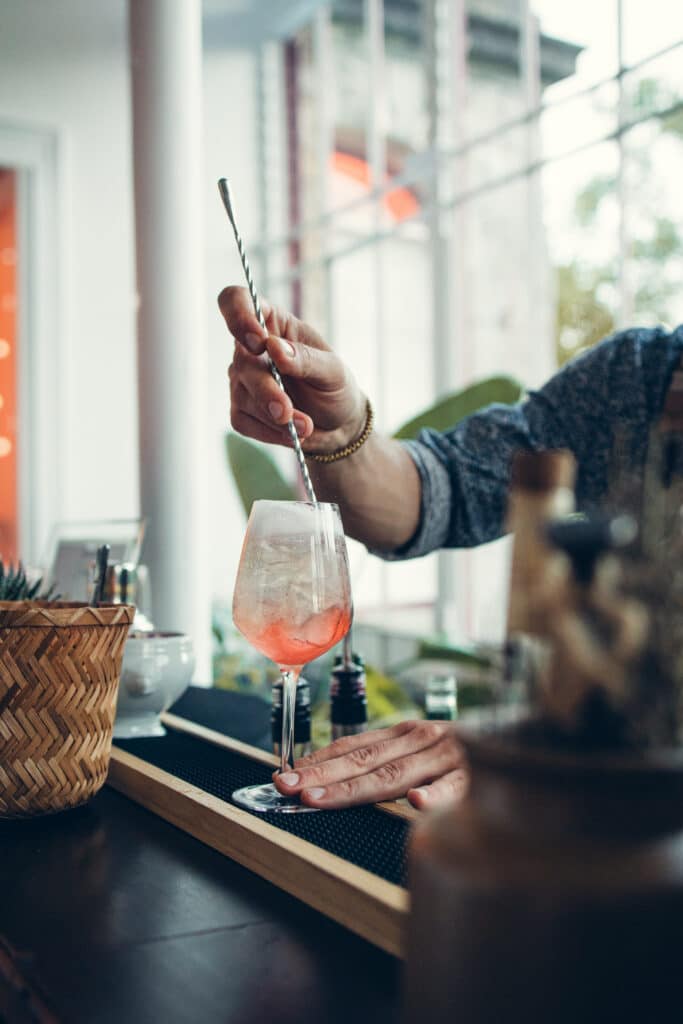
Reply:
x=15 y=586
x=387 y=700
x=456 y=406
x=664 y=243
x=459 y=654
x=589 y=198
x=584 y=305
x=652 y=98
x=582 y=318
x=256 y=473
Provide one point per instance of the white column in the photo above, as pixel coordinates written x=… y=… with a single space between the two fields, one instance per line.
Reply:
x=166 y=53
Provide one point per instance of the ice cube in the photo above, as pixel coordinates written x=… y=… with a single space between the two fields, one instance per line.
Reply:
x=319 y=629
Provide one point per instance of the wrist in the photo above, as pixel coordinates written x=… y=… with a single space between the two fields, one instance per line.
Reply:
x=344 y=442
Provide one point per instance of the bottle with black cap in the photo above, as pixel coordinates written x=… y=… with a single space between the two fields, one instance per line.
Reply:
x=302 y=718
x=348 y=700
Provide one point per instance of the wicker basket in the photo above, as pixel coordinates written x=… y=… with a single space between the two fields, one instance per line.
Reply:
x=60 y=664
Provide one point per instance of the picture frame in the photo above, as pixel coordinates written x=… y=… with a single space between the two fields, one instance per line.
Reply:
x=73 y=546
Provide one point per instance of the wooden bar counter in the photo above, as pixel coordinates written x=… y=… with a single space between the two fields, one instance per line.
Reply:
x=109 y=914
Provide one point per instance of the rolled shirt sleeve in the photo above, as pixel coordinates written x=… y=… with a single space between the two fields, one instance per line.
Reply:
x=616 y=387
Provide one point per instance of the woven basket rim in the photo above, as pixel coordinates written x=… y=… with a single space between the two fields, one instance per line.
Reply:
x=42 y=614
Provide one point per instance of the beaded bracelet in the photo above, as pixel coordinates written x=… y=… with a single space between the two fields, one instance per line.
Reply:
x=348 y=449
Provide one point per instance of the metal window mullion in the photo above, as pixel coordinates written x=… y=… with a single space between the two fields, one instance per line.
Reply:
x=452 y=586
x=376 y=155
x=376 y=152
x=459 y=178
x=625 y=312
x=323 y=57
x=268 y=176
x=530 y=64
x=293 y=237
x=440 y=190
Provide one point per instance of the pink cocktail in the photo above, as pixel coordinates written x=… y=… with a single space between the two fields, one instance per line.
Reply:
x=292 y=602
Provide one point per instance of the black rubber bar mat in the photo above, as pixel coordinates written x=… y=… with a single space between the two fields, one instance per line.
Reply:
x=363 y=836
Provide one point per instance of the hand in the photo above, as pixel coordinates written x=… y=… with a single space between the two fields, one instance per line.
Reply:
x=322 y=396
x=420 y=760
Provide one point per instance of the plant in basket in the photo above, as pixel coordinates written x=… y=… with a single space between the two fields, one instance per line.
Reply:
x=60 y=664
x=15 y=585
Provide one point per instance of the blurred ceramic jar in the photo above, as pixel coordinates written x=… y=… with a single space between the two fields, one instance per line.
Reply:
x=157 y=669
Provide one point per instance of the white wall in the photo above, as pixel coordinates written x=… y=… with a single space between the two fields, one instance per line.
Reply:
x=64 y=67
x=231 y=152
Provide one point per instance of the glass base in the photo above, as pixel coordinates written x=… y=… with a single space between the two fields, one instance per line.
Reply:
x=126 y=728
x=267 y=798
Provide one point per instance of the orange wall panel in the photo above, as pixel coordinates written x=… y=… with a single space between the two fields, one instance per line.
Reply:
x=8 y=366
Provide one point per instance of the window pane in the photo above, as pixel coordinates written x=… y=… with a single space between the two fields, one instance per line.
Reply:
x=649 y=26
x=654 y=221
x=579 y=121
x=581 y=213
x=508 y=291
x=655 y=88
x=381 y=314
x=405 y=114
x=495 y=91
x=592 y=29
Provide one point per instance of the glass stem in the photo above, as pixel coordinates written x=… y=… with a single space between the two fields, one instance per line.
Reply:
x=290 y=678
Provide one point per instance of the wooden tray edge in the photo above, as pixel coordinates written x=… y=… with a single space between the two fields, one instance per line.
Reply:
x=366 y=904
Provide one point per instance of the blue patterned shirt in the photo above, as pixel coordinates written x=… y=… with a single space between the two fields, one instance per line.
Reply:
x=618 y=385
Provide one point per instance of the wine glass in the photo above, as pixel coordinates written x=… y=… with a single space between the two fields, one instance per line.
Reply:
x=292 y=602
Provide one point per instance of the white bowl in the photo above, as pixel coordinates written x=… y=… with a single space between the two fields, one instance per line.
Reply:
x=157 y=669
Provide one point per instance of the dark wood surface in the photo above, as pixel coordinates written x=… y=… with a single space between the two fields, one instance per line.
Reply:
x=108 y=914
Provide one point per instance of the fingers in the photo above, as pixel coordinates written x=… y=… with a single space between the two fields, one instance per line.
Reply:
x=348 y=743
x=255 y=393
x=270 y=408
x=238 y=310
x=296 y=359
x=450 y=788
x=332 y=408
x=388 y=782
x=254 y=428
x=374 y=766
x=364 y=759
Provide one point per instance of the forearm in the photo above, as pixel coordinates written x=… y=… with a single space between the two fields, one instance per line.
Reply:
x=378 y=492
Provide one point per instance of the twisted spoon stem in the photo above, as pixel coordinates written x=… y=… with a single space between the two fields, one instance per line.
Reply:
x=224 y=189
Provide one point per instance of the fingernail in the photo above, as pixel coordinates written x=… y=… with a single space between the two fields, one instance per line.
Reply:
x=275 y=410
x=285 y=347
x=254 y=342
x=289 y=778
x=300 y=424
x=424 y=793
x=317 y=793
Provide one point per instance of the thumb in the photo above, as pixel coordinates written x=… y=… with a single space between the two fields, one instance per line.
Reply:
x=319 y=367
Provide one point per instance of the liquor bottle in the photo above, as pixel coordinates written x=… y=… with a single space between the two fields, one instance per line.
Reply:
x=441 y=698
x=302 y=718
x=348 y=700
x=541 y=490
